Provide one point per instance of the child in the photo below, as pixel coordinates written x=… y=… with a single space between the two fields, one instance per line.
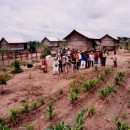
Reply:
x=55 y=66
x=44 y=64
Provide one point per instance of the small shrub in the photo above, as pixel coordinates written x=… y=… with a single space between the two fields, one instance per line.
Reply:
x=86 y=85
x=17 y=69
x=30 y=127
x=79 y=117
x=73 y=96
x=25 y=107
x=120 y=125
x=106 y=91
x=50 y=111
x=30 y=76
x=96 y=68
x=4 y=127
x=2 y=120
x=91 y=110
x=34 y=105
x=61 y=91
x=60 y=126
x=2 y=83
x=42 y=101
x=14 y=115
x=101 y=75
x=107 y=71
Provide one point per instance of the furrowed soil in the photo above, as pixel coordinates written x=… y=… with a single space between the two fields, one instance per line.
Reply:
x=20 y=89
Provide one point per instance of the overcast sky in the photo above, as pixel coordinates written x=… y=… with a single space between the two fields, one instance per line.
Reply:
x=35 y=19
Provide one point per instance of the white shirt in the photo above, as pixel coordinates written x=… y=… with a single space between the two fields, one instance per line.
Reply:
x=79 y=56
x=104 y=54
x=91 y=57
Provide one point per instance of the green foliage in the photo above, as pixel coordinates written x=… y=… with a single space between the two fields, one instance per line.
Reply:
x=107 y=71
x=46 y=52
x=17 y=69
x=14 y=115
x=96 y=68
x=101 y=75
x=106 y=91
x=60 y=126
x=4 y=127
x=73 y=96
x=91 y=110
x=25 y=107
x=119 y=77
x=2 y=81
x=50 y=111
x=34 y=105
x=89 y=84
x=42 y=101
x=30 y=127
x=35 y=44
x=2 y=120
x=79 y=119
x=120 y=125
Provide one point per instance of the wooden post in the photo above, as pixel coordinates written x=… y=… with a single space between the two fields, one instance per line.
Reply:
x=2 y=57
x=21 y=56
x=31 y=54
x=36 y=54
x=15 y=55
x=8 y=55
x=26 y=54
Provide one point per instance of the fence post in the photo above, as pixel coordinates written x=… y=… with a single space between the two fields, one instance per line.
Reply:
x=2 y=57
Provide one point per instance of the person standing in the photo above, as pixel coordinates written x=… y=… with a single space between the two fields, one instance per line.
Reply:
x=44 y=64
x=83 y=60
x=100 y=56
x=73 y=61
x=55 y=66
x=87 y=60
x=77 y=61
x=96 y=57
x=91 y=57
x=60 y=64
x=79 y=55
x=104 y=56
x=64 y=63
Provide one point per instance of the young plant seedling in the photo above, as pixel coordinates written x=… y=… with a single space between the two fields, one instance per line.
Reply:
x=91 y=110
x=14 y=115
x=25 y=107
x=50 y=111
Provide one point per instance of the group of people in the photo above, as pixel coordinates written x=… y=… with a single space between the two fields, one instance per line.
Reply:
x=73 y=60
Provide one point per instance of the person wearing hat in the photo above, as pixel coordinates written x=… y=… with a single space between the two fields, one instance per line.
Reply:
x=91 y=57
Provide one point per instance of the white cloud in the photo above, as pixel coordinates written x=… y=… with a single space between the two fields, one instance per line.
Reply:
x=35 y=19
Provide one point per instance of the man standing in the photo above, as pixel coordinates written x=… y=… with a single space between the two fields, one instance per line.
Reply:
x=104 y=56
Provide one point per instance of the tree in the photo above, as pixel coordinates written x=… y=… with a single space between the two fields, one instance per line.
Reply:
x=2 y=83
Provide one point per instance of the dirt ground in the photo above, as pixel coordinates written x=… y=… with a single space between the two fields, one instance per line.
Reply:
x=21 y=88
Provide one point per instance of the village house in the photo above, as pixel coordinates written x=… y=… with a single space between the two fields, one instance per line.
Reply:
x=50 y=42
x=109 y=42
x=82 y=40
x=13 y=44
